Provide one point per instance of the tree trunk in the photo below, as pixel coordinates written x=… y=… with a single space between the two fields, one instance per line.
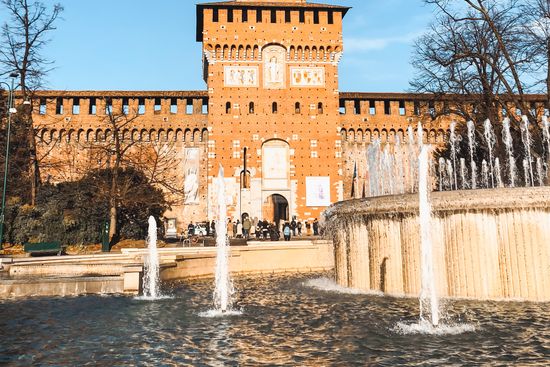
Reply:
x=113 y=206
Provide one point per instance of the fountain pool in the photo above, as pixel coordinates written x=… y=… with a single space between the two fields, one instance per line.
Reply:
x=286 y=320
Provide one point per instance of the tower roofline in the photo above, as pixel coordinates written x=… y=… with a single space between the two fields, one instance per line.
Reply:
x=262 y=4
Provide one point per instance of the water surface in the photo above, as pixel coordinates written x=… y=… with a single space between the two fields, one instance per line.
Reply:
x=285 y=320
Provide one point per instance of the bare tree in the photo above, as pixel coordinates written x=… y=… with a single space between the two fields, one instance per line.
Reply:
x=23 y=38
x=474 y=50
x=157 y=160
x=536 y=29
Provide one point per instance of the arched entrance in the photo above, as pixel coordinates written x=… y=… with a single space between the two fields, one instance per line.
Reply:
x=275 y=208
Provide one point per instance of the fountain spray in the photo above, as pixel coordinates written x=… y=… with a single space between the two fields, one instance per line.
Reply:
x=151 y=265
x=223 y=284
x=429 y=304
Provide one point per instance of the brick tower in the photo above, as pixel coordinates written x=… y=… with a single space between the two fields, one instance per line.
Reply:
x=271 y=69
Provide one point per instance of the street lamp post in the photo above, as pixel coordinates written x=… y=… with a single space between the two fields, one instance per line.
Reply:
x=11 y=110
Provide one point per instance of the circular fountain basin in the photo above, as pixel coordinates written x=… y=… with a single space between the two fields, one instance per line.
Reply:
x=285 y=321
x=487 y=244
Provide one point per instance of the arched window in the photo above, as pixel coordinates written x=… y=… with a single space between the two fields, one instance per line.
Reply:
x=274 y=107
x=297 y=109
x=320 y=107
x=251 y=107
x=228 y=107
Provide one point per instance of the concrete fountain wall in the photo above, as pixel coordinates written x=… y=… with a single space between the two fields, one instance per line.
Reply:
x=488 y=244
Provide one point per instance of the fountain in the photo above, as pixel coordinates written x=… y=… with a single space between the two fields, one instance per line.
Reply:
x=151 y=289
x=223 y=285
x=508 y=142
x=488 y=240
x=472 y=146
x=429 y=304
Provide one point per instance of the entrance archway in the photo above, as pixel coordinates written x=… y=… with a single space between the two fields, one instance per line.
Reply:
x=275 y=208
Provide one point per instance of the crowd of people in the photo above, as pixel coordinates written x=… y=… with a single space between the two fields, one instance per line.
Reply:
x=257 y=229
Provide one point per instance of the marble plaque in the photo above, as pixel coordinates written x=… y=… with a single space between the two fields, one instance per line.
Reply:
x=240 y=76
x=307 y=77
x=191 y=172
x=317 y=191
x=274 y=67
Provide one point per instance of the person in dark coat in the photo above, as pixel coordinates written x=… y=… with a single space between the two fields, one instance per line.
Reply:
x=315 y=227
x=293 y=226
x=299 y=228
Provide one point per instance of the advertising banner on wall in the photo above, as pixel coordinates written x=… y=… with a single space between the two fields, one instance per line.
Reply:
x=191 y=166
x=318 y=191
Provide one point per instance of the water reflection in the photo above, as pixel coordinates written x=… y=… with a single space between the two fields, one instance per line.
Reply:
x=286 y=320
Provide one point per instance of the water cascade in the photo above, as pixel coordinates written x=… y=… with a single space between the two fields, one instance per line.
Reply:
x=528 y=163
x=151 y=289
x=490 y=140
x=472 y=146
x=508 y=142
x=453 y=144
x=498 y=174
x=429 y=304
x=463 y=180
x=223 y=284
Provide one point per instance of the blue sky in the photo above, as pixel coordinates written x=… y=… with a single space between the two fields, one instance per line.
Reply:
x=150 y=45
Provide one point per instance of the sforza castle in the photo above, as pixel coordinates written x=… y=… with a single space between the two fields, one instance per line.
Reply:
x=272 y=115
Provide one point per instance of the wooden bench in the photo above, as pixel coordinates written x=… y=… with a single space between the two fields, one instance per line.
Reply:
x=44 y=248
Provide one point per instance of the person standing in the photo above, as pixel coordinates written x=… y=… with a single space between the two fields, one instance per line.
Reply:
x=246 y=227
x=315 y=227
x=308 y=228
x=239 y=229
x=286 y=231
x=293 y=226
x=191 y=229
x=213 y=227
x=299 y=227
x=229 y=228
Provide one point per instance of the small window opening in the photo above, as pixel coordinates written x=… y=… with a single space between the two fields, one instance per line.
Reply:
x=141 y=106
x=259 y=15
x=204 y=107
x=108 y=106
x=316 y=17
x=357 y=107
x=173 y=105
x=230 y=15
x=274 y=107
x=273 y=16
x=228 y=107
x=372 y=107
x=287 y=16
x=42 y=108
x=387 y=108
x=330 y=16
x=320 y=107
x=416 y=108
x=189 y=107
x=342 y=108
x=402 y=108
x=76 y=106
x=215 y=15
x=245 y=15
x=59 y=106
x=431 y=108
x=251 y=107
x=93 y=107
x=125 y=106
x=297 y=109
x=302 y=16
x=157 y=106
